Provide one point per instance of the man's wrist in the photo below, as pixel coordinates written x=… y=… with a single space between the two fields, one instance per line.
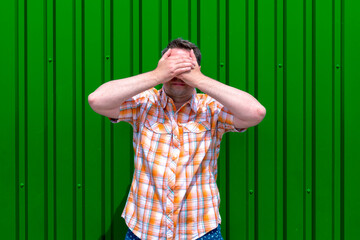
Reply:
x=194 y=79
x=156 y=77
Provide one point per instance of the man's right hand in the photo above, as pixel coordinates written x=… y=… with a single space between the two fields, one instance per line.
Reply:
x=169 y=67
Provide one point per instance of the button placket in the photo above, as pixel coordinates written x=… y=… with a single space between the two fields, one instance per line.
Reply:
x=173 y=158
x=176 y=131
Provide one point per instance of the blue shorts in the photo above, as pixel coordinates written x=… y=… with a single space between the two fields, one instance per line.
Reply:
x=214 y=234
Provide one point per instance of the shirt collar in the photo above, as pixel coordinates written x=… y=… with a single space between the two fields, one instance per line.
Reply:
x=164 y=98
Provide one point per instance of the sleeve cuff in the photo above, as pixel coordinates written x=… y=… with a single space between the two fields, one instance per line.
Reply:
x=241 y=129
x=114 y=120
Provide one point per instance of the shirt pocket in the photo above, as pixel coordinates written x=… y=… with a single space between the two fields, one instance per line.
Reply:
x=155 y=141
x=159 y=128
x=196 y=139
x=197 y=127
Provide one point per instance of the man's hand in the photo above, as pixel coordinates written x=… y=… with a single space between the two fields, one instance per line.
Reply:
x=172 y=66
x=190 y=76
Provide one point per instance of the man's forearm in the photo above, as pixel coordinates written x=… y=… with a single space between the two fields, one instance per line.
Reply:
x=108 y=97
x=112 y=94
x=242 y=104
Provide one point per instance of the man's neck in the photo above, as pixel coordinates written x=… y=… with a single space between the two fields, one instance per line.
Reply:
x=179 y=101
x=178 y=105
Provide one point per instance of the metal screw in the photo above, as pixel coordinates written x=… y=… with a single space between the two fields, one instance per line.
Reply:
x=107 y=57
x=50 y=59
x=22 y=185
x=337 y=66
x=79 y=185
x=308 y=190
x=251 y=192
x=222 y=64
x=280 y=65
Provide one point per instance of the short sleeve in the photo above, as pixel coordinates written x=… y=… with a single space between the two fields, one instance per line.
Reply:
x=226 y=120
x=130 y=109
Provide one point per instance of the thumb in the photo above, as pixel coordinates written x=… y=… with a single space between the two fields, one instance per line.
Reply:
x=166 y=54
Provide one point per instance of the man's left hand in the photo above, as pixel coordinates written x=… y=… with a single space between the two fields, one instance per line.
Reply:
x=190 y=76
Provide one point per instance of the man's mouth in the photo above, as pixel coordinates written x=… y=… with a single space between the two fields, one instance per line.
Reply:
x=177 y=82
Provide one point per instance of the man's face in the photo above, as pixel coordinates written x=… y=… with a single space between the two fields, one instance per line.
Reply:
x=176 y=88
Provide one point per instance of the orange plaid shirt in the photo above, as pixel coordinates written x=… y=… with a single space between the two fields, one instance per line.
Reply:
x=173 y=194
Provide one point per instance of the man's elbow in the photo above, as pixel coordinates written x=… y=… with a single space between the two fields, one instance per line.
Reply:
x=92 y=100
x=260 y=113
x=95 y=103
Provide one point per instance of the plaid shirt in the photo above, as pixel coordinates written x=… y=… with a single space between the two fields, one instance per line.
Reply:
x=173 y=194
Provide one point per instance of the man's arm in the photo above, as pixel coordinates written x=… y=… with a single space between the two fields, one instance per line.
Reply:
x=107 y=99
x=246 y=109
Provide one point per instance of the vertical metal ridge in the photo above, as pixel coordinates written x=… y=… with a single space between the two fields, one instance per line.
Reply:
x=342 y=121
x=160 y=29
x=314 y=120
x=103 y=129
x=227 y=42
x=169 y=20
x=256 y=51
x=275 y=118
x=218 y=40
x=45 y=64
x=304 y=119
x=284 y=120
x=333 y=121
x=198 y=24
x=247 y=87
x=78 y=111
x=54 y=115
x=74 y=152
x=140 y=36
x=112 y=148
x=308 y=122
x=49 y=100
x=83 y=114
x=26 y=135
x=337 y=158
x=131 y=38
x=111 y=41
x=17 y=116
x=256 y=130
x=189 y=20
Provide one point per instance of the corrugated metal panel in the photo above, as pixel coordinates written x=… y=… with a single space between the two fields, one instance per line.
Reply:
x=66 y=171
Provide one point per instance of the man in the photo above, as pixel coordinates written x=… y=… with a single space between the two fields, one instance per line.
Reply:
x=177 y=135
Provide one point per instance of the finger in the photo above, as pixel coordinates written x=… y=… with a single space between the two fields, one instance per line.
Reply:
x=182 y=70
x=192 y=54
x=183 y=60
x=166 y=54
x=185 y=64
x=180 y=58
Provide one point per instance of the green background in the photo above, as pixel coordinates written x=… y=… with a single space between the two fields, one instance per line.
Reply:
x=65 y=171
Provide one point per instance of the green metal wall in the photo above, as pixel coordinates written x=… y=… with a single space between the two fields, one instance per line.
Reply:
x=65 y=171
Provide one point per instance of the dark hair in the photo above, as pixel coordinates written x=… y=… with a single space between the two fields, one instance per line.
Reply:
x=184 y=44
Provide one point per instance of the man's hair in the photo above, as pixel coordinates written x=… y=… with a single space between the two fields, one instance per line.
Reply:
x=184 y=44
